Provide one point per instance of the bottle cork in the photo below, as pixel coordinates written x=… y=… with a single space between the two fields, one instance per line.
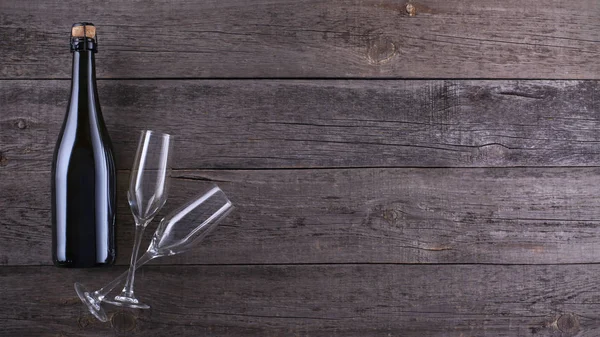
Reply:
x=84 y=29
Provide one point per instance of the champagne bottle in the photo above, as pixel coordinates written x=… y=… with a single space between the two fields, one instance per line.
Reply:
x=83 y=168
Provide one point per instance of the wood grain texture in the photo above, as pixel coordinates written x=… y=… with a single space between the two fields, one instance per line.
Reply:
x=308 y=124
x=367 y=205
x=506 y=216
x=309 y=300
x=308 y=38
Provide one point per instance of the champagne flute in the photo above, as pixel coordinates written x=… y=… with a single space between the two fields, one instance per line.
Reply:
x=179 y=231
x=148 y=191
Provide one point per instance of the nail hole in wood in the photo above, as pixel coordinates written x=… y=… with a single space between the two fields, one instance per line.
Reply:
x=411 y=10
x=22 y=124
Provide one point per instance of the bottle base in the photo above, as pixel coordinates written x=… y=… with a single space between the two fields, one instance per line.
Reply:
x=79 y=265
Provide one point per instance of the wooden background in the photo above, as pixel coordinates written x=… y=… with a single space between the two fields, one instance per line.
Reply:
x=400 y=168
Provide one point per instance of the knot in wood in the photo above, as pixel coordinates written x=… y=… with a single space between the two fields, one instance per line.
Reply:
x=568 y=323
x=380 y=51
x=123 y=321
x=83 y=321
x=390 y=215
x=3 y=159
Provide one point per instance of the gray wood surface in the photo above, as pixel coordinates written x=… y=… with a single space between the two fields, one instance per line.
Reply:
x=315 y=300
x=308 y=38
x=413 y=168
x=492 y=215
x=310 y=124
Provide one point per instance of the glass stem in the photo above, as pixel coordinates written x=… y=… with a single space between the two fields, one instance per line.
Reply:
x=128 y=289
x=100 y=294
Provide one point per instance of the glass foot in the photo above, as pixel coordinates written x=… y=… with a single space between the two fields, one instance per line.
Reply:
x=91 y=302
x=127 y=302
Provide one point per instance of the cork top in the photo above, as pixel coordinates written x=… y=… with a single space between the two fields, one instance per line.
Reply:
x=84 y=29
x=83 y=37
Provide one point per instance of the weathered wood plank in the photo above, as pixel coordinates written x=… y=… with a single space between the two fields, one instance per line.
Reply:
x=309 y=38
x=314 y=300
x=509 y=216
x=300 y=124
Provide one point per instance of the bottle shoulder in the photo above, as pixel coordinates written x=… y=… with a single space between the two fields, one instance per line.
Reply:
x=75 y=148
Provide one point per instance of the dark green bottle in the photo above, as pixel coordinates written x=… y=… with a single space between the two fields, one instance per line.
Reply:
x=83 y=169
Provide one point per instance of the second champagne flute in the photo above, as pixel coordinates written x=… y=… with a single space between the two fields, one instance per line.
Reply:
x=148 y=191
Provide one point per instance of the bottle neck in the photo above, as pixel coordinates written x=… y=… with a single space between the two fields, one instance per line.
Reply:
x=83 y=85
